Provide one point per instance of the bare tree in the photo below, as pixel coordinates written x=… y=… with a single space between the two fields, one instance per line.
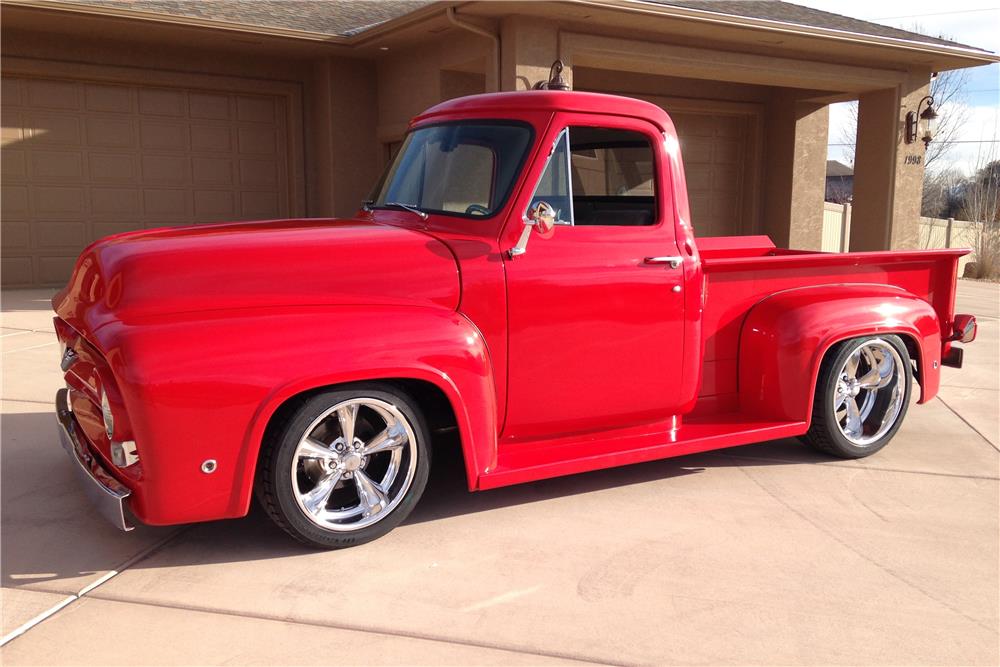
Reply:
x=981 y=205
x=941 y=197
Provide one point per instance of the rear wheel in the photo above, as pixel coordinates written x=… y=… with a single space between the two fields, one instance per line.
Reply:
x=346 y=467
x=862 y=393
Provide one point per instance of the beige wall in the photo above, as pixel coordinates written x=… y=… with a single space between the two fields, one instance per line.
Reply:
x=345 y=155
x=888 y=172
x=795 y=178
x=528 y=49
x=414 y=78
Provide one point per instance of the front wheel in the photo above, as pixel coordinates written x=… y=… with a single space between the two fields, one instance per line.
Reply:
x=346 y=467
x=862 y=393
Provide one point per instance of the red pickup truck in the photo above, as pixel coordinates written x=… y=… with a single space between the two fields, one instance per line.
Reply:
x=525 y=274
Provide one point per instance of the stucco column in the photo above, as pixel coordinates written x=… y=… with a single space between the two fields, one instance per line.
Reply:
x=795 y=172
x=343 y=151
x=528 y=47
x=888 y=172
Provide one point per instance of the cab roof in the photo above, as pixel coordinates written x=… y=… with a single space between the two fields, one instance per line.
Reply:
x=509 y=104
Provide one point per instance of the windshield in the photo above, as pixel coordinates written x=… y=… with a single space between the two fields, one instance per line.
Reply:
x=464 y=169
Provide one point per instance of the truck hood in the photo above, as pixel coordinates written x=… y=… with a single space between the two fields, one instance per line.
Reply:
x=257 y=265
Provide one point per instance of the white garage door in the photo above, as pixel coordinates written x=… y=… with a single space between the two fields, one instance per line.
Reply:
x=82 y=160
x=714 y=148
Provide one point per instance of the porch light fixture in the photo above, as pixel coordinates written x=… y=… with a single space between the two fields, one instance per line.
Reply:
x=556 y=80
x=922 y=123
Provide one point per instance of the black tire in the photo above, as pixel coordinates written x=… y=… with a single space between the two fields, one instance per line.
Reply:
x=826 y=433
x=282 y=502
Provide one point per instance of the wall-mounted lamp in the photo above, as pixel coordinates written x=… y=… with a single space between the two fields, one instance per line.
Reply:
x=922 y=123
x=556 y=80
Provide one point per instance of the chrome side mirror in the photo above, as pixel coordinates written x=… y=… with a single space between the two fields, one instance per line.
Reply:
x=541 y=218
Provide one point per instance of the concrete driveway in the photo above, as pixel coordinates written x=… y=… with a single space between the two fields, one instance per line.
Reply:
x=763 y=554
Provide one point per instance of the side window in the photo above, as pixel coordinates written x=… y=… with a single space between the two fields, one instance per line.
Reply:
x=599 y=176
x=554 y=186
x=613 y=177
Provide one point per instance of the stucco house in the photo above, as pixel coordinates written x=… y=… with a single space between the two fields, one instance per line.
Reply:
x=839 y=182
x=119 y=116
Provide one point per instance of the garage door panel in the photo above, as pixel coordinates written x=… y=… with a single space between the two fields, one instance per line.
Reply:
x=111 y=99
x=257 y=140
x=12 y=132
x=14 y=164
x=17 y=270
x=54 y=268
x=16 y=234
x=698 y=176
x=259 y=205
x=212 y=138
x=258 y=172
x=698 y=148
x=100 y=229
x=54 y=94
x=87 y=159
x=164 y=135
x=113 y=167
x=162 y=102
x=111 y=132
x=214 y=205
x=48 y=129
x=57 y=201
x=209 y=106
x=167 y=205
x=56 y=165
x=59 y=235
x=174 y=169
x=714 y=146
x=728 y=152
x=255 y=109
x=14 y=203
x=211 y=171
x=724 y=177
x=11 y=92
x=115 y=202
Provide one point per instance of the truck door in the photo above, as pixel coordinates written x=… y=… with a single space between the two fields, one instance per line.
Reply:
x=596 y=310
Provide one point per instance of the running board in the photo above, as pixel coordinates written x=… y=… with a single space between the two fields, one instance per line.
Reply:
x=527 y=462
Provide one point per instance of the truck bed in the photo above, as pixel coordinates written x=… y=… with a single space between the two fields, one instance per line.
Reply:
x=741 y=271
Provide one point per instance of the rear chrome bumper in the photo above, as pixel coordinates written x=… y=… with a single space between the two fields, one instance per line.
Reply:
x=106 y=493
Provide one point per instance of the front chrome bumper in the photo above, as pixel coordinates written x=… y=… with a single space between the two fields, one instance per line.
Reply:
x=105 y=492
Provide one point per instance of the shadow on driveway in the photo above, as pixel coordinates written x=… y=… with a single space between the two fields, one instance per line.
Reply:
x=51 y=534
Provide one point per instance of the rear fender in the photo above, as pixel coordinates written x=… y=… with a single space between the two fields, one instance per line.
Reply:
x=206 y=385
x=785 y=337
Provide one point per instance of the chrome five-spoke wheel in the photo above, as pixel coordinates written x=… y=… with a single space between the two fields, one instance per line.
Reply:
x=345 y=466
x=354 y=464
x=869 y=394
x=862 y=393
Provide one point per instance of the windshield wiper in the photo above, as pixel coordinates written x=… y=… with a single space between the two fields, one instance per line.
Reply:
x=407 y=207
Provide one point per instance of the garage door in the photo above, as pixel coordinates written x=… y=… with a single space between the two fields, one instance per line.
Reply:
x=714 y=148
x=82 y=160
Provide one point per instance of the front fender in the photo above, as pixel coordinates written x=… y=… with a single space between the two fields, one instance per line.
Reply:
x=205 y=386
x=785 y=337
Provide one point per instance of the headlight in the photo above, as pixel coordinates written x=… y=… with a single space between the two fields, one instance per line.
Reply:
x=109 y=417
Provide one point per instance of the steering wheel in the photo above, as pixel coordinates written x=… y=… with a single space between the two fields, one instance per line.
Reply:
x=477 y=209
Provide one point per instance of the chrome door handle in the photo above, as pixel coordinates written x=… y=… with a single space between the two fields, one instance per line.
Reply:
x=674 y=262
